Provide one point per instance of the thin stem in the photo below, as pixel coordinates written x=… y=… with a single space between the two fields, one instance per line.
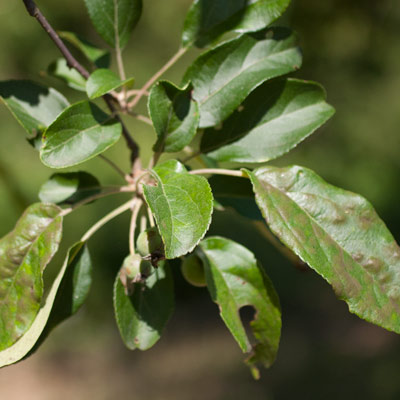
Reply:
x=157 y=75
x=122 y=189
x=143 y=222
x=135 y=212
x=140 y=117
x=120 y=63
x=151 y=218
x=134 y=92
x=125 y=207
x=154 y=159
x=191 y=156
x=72 y=62
x=112 y=164
x=217 y=171
x=128 y=138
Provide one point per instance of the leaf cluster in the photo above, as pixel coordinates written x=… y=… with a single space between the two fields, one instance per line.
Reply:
x=235 y=103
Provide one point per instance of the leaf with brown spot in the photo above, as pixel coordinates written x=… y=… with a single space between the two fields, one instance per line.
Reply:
x=340 y=236
x=24 y=253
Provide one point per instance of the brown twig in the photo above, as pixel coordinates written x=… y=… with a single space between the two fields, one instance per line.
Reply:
x=72 y=62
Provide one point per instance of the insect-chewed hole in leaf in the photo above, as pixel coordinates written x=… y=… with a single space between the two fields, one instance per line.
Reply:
x=247 y=315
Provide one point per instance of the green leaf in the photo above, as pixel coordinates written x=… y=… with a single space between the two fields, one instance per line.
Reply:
x=339 y=235
x=209 y=19
x=24 y=253
x=80 y=133
x=73 y=290
x=273 y=120
x=34 y=106
x=175 y=116
x=74 y=287
x=70 y=187
x=141 y=317
x=235 y=279
x=236 y=193
x=114 y=20
x=99 y=57
x=182 y=205
x=224 y=76
x=59 y=69
x=103 y=81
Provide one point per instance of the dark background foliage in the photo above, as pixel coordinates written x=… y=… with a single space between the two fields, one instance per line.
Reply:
x=353 y=49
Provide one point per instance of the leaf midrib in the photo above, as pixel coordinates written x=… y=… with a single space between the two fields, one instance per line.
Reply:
x=243 y=71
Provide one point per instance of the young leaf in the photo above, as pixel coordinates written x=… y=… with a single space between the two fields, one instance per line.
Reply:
x=24 y=253
x=73 y=291
x=236 y=193
x=69 y=187
x=34 y=106
x=59 y=69
x=209 y=19
x=182 y=205
x=114 y=20
x=141 y=317
x=81 y=132
x=103 y=81
x=234 y=280
x=273 y=119
x=224 y=76
x=339 y=235
x=175 y=116
x=99 y=57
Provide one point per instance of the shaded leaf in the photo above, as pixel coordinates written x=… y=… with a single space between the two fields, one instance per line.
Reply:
x=236 y=193
x=209 y=19
x=235 y=280
x=103 y=81
x=175 y=116
x=59 y=69
x=76 y=284
x=99 y=57
x=69 y=187
x=24 y=253
x=273 y=119
x=81 y=132
x=114 y=20
x=34 y=106
x=74 y=287
x=141 y=317
x=224 y=76
x=339 y=235
x=182 y=205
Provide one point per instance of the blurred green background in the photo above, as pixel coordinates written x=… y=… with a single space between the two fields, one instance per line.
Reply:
x=353 y=49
